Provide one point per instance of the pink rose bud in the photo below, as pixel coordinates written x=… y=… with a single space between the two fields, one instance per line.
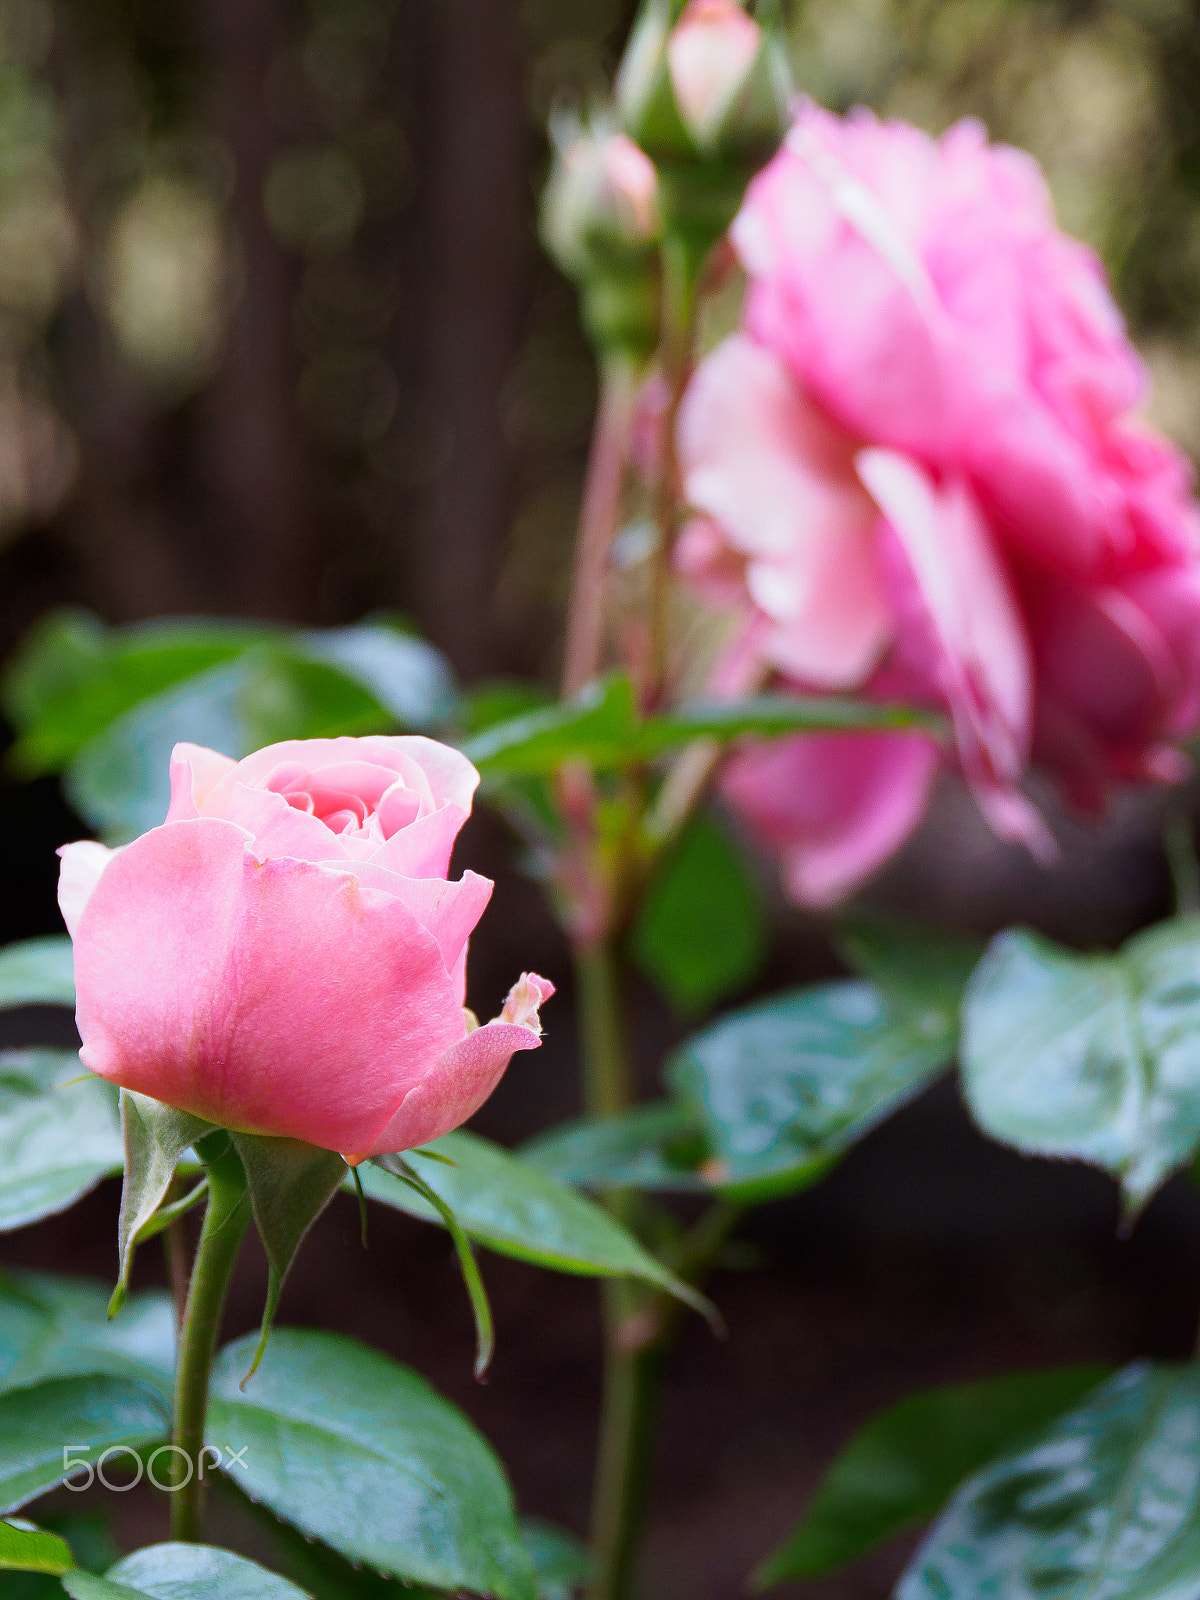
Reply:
x=709 y=53
x=285 y=954
x=601 y=203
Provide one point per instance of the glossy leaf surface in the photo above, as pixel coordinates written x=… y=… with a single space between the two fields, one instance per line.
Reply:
x=53 y=1326
x=24 y=1548
x=182 y=1572
x=81 y=1416
x=59 y=1134
x=1104 y=1504
x=511 y=1206
x=359 y=1452
x=1096 y=1057
x=901 y=1467
x=655 y=1146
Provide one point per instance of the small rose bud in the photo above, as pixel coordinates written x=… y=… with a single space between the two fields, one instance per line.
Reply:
x=601 y=224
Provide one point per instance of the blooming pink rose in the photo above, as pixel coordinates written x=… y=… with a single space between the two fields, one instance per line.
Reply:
x=285 y=954
x=915 y=473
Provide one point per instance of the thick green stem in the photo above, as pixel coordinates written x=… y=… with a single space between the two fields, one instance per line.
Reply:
x=608 y=1086
x=225 y=1223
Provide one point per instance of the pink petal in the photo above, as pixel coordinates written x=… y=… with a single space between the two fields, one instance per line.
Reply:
x=449 y=911
x=836 y=805
x=280 y=999
x=778 y=478
x=195 y=772
x=985 y=668
x=422 y=850
x=710 y=50
x=463 y=1078
x=82 y=864
x=280 y=831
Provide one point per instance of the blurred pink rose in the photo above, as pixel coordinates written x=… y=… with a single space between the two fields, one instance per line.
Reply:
x=285 y=955
x=915 y=472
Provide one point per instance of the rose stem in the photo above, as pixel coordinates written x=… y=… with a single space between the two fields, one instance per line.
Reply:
x=226 y=1217
x=598 y=518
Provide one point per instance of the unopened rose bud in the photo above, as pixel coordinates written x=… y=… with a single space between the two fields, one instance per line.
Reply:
x=713 y=84
x=601 y=224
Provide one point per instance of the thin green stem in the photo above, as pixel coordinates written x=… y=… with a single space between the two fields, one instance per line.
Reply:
x=225 y=1222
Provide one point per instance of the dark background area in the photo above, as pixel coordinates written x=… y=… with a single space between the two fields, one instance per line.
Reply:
x=277 y=339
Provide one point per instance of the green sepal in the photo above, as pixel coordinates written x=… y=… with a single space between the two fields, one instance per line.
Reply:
x=290 y=1185
x=155 y=1137
x=485 y=1332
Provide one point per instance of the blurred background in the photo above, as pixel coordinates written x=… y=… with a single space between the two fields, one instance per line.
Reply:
x=277 y=340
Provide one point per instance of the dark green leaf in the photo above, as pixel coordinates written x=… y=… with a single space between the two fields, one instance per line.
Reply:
x=359 y=1452
x=784 y=1087
x=38 y=972
x=290 y=1185
x=562 y=1564
x=409 y=679
x=1096 y=1057
x=485 y=704
x=920 y=967
x=24 y=1548
x=182 y=1572
x=902 y=1467
x=58 y=1135
x=655 y=1146
x=701 y=932
x=82 y=1417
x=1104 y=1504
x=599 y=725
x=155 y=1136
x=512 y=1207
x=53 y=1326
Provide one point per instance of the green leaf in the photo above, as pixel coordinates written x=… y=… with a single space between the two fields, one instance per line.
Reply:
x=495 y=700
x=701 y=932
x=290 y=1185
x=902 y=1466
x=73 y=677
x=59 y=1136
x=598 y=725
x=48 y=1426
x=784 y=1087
x=24 y=1548
x=656 y=1146
x=357 y=1451
x=155 y=1136
x=408 y=678
x=774 y=715
x=182 y=1572
x=53 y=1326
x=1104 y=1504
x=505 y=1203
x=601 y=726
x=920 y=967
x=562 y=1564
x=38 y=972
x=1095 y=1057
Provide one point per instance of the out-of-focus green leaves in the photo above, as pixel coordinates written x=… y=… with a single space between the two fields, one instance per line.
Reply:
x=702 y=930
x=37 y=972
x=88 y=1415
x=601 y=726
x=656 y=1146
x=903 y=1465
x=1095 y=1057
x=562 y=1564
x=107 y=704
x=172 y=1571
x=358 y=1451
x=1104 y=1503
x=59 y=1135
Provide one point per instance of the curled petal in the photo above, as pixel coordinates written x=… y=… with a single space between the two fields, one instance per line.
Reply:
x=465 y=1075
x=195 y=773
